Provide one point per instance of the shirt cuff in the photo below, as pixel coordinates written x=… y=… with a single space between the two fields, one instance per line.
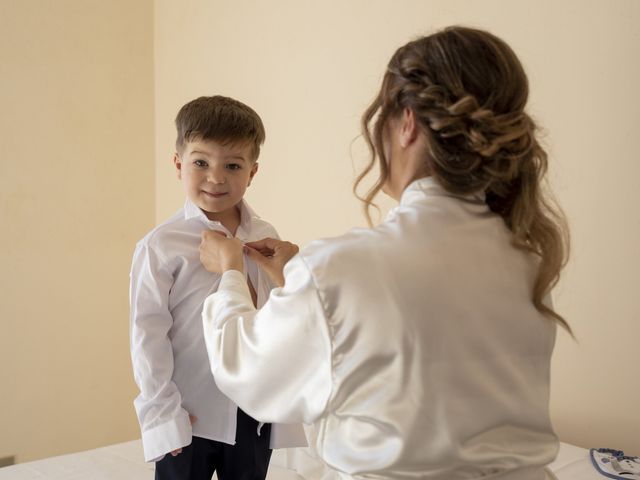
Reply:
x=166 y=437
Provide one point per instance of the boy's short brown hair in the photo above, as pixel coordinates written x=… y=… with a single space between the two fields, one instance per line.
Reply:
x=222 y=119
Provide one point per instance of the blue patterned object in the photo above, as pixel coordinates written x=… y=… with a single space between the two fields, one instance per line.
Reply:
x=615 y=464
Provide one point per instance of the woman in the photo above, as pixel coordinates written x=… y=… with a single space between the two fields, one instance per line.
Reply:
x=419 y=348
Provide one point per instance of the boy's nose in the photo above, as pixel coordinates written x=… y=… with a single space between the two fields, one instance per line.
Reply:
x=216 y=175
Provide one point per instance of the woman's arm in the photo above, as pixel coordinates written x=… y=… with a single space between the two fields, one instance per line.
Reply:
x=275 y=363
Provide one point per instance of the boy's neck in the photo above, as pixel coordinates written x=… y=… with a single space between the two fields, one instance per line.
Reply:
x=230 y=218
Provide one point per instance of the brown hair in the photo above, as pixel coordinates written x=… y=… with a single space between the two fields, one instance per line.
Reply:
x=468 y=92
x=219 y=118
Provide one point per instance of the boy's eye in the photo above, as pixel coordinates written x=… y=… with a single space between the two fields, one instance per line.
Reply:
x=200 y=163
x=234 y=166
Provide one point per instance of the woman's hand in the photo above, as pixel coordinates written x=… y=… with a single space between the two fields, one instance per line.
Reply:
x=218 y=253
x=272 y=255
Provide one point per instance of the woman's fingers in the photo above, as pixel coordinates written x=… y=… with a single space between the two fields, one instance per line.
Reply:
x=260 y=257
x=285 y=252
x=219 y=254
x=267 y=252
x=270 y=264
x=266 y=244
x=271 y=255
x=273 y=245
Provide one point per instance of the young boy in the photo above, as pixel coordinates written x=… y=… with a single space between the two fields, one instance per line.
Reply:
x=189 y=428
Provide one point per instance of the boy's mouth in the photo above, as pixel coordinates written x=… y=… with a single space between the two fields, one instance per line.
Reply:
x=215 y=194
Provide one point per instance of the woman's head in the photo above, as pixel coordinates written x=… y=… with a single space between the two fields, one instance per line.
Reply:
x=467 y=92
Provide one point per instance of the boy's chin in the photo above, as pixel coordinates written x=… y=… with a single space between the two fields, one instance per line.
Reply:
x=211 y=207
x=213 y=210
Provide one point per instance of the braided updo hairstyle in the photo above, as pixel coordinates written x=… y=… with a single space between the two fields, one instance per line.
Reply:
x=468 y=92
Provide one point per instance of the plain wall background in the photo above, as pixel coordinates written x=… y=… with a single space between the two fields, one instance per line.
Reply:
x=79 y=182
x=76 y=192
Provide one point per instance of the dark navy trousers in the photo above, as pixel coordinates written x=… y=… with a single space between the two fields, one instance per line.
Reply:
x=248 y=459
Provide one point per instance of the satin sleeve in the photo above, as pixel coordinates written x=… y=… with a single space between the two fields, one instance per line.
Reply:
x=275 y=362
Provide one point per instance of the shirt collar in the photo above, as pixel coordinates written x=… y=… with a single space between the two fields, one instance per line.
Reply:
x=191 y=210
x=428 y=186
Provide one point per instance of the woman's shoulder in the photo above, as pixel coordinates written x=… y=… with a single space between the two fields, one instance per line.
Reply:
x=335 y=255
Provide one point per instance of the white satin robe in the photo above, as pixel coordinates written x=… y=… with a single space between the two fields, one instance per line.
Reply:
x=413 y=348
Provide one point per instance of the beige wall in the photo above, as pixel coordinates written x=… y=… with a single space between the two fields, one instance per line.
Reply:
x=310 y=68
x=76 y=192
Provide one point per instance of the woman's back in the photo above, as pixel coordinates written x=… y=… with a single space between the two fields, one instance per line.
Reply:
x=419 y=348
x=440 y=361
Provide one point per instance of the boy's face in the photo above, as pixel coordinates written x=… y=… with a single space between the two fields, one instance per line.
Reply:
x=215 y=176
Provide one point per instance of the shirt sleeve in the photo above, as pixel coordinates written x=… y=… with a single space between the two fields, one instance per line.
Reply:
x=164 y=423
x=274 y=363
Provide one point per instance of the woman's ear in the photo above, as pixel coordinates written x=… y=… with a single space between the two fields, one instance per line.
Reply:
x=408 y=128
x=177 y=162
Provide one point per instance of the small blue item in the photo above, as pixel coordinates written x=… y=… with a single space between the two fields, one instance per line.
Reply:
x=615 y=464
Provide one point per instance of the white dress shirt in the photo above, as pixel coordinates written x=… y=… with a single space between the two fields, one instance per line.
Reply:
x=168 y=288
x=413 y=347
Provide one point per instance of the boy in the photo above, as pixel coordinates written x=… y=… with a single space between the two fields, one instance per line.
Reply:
x=189 y=428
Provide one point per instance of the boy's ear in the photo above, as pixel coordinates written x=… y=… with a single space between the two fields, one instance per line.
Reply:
x=178 y=164
x=254 y=170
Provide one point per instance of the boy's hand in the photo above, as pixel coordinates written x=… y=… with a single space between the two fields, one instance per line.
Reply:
x=193 y=419
x=219 y=253
x=272 y=255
